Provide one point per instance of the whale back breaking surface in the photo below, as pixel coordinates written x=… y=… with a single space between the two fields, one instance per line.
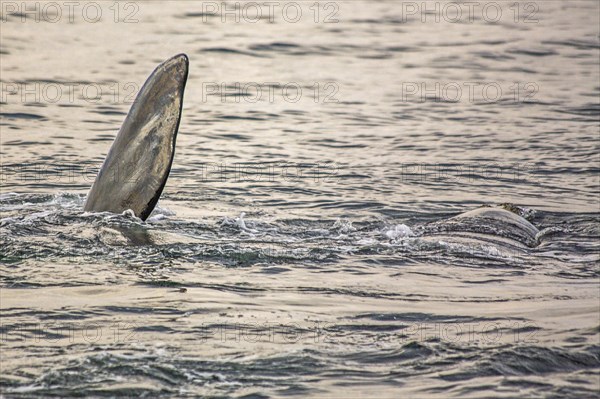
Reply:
x=494 y=225
x=137 y=166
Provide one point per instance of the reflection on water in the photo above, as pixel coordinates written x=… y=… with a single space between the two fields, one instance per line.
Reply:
x=301 y=246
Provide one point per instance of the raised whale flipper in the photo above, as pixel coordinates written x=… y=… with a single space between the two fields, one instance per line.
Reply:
x=136 y=168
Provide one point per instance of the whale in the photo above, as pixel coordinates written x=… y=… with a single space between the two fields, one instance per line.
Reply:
x=135 y=171
x=502 y=225
x=139 y=161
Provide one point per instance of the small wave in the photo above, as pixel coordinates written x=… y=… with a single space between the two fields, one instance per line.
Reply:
x=532 y=52
x=528 y=360
x=226 y=50
x=22 y=115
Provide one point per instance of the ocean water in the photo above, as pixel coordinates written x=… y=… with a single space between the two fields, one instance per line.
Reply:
x=303 y=245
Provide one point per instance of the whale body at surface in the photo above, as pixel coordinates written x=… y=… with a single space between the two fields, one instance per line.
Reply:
x=500 y=225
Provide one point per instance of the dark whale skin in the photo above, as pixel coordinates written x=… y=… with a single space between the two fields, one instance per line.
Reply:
x=138 y=163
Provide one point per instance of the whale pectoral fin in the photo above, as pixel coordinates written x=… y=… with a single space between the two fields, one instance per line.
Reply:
x=138 y=163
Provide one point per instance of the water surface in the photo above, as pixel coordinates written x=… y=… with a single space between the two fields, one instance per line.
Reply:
x=293 y=252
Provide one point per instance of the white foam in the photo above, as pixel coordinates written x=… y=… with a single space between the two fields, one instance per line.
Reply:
x=399 y=231
x=344 y=226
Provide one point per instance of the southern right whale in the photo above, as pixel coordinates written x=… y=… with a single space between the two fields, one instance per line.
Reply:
x=137 y=166
x=497 y=225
